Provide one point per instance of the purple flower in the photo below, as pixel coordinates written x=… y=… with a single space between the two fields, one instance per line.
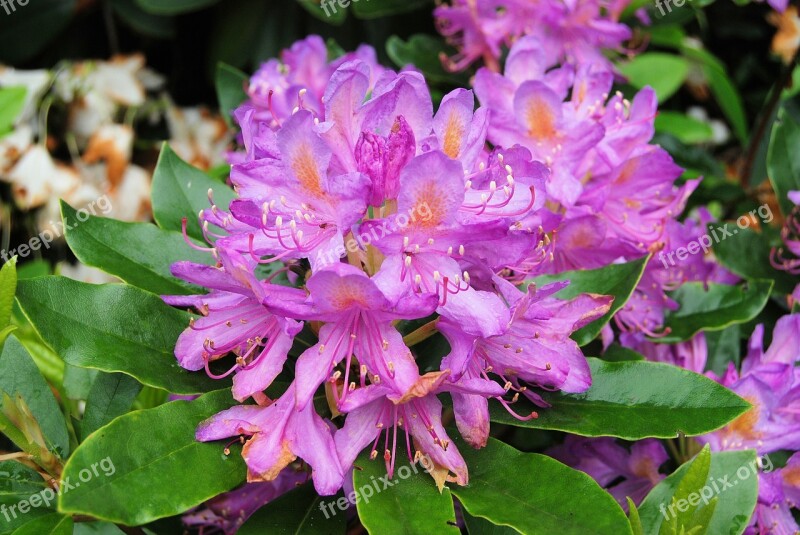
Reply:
x=770 y=381
x=778 y=494
x=569 y=31
x=278 y=434
x=229 y=511
x=535 y=350
x=623 y=473
x=236 y=318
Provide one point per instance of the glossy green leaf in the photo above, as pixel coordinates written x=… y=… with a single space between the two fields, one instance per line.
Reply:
x=18 y=483
x=111 y=395
x=19 y=375
x=181 y=190
x=148 y=465
x=480 y=526
x=728 y=98
x=52 y=524
x=174 y=7
x=723 y=347
x=411 y=504
x=618 y=353
x=422 y=51
x=691 y=483
x=113 y=328
x=301 y=511
x=733 y=480
x=5 y=332
x=783 y=161
x=371 y=9
x=8 y=287
x=665 y=73
x=230 y=83
x=713 y=309
x=138 y=253
x=617 y=280
x=326 y=10
x=747 y=255
x=687 y=129
x=12 y=100
x=535 y=494
x=633 y=518
x=635 y=400
x=99 y=528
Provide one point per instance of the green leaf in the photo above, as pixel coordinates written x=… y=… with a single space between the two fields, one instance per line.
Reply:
x=422 y=51
x=100 y=528
x=714 y=309
x=138 y=253
x=723 y=348
x=620 y=403
x=230 y=83
x=480 y=526
x=691 y=483
x=174 y=7
x=633 y=518
x=687 y=129
x=5 y=332
x=148 y=465
x=618 y=353
x=332 y=12
x=112 y=395
x=617 y=280
x=371 y=9
x=19 y=375
x=52 y=524
x=783 y=162
x=728 y=98
x=297 y=512
x=113 y=328
x=8 y=287
x=181 y=190
x=18 y=483
x=665 y=73
x=747 y=255
x=412 y=504
x=535 y=494
x=737 y=494
x=29 y=29
x=12 y=100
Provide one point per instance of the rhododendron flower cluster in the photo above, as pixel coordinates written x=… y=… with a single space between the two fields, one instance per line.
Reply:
x=383 y=212
x=570 y=31
x=611 y=194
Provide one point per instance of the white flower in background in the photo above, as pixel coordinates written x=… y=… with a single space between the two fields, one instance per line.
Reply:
x=720 y=133
x=198 y=136
x=97 y=89
x=36 y=178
